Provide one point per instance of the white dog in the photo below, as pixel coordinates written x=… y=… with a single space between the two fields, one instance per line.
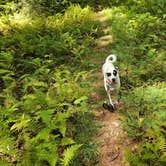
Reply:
x=111 y=77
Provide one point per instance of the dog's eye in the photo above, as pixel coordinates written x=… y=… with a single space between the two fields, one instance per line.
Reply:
x=108 y=74
x=114 y=72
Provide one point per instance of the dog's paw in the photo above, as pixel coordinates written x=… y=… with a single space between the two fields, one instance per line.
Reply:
x=109 y=107
x=105 y=106
x=112 y=107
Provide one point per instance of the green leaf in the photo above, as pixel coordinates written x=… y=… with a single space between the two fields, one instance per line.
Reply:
x=163 y=157
x=81 y=99
x=62 y=128
x=5 y=71
x=20 y=125
x=67 y=141
x=148 y=156
x=46 y=116
x=36 y=83
x=47 y=151
x=69 y=154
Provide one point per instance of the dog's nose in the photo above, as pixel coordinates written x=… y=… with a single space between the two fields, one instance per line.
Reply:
x=113 y=80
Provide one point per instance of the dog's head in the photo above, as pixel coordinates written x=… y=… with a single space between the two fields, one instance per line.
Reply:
x=112 y=74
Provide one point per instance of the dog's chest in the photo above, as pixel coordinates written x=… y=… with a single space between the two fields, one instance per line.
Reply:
x=112 y=85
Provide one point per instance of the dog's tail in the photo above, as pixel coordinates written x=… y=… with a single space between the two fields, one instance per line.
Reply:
x=111 y=58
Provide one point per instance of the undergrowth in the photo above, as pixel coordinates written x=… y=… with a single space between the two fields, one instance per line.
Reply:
x=45 y=117
x=144 y=122
x=139 y=43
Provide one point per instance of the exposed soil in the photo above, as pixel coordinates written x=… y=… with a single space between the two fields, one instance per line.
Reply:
x=104 y=41
x=111 y=138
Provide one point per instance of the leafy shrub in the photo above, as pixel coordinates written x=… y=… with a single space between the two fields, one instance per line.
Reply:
x=41 y=100
x=51 y=7
x=35 y=124
x=48 y=7
x=56 y=39
x=145 y=121
x=139 y=43
x=155 y=7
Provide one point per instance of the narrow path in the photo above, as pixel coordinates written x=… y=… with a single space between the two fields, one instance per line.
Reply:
x=112 y=141
x=111 y=138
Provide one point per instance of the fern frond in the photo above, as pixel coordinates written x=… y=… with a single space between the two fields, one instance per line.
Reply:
x=69 y=154
x=163 y=157
x=67 y=141
x=46 y=116
x=36 y=83
x=20 y=125
x=5 y=71
x=81 y=99
x=82 y=74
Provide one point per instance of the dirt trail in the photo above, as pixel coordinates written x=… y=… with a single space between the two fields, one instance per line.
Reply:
x=112 y=141
x=111 y=138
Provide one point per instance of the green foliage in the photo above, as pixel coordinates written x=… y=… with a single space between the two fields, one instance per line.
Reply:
x=45 y=117
x=48 y=7
x=145 y=122
x=68 y=154
x=40 y=98
x=139 y=43
x=37 y=120
x=56 y=39
x=155 y=7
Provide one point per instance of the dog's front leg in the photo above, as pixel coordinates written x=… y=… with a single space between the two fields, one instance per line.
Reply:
x=110 y=100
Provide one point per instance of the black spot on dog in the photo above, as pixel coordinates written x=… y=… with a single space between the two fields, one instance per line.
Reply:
x=114 y=72
x=108 y=74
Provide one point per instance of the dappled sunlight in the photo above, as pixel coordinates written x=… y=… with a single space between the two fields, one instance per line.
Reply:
x=17 y=20
x=110 y=13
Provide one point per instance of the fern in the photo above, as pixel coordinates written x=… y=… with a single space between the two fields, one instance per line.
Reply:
x=47 y=151
x=80 y=100
x=67 y=141
x=163 y=157
x=69 y=154
x=60 y=122
x=22 y=123
x=150 y=124
x=33 y=84
x=5 y=71
x=46 y=116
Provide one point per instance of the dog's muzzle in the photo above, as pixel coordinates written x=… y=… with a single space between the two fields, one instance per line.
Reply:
x=113 y=80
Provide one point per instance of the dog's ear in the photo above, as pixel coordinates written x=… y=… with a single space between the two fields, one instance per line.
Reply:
x=116 y=68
